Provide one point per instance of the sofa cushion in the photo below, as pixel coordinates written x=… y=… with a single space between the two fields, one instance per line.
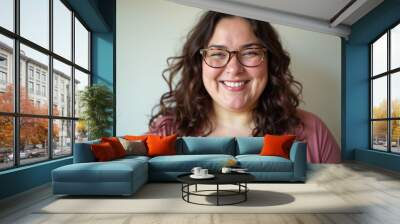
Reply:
x=116 y=145
x=249 y=145
x=103 y=152
x=134 y=147
x=161 y=145
x=135 y=137
x=185 y=163
x=277 y=145
x=131 y=158
x=206 y=145
x=257 y=163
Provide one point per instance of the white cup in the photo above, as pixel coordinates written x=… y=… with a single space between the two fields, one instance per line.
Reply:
x=203 y=172
x=196 y=170
x=226 y=170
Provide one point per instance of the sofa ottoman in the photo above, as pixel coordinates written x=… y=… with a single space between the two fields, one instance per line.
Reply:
x=119 y=177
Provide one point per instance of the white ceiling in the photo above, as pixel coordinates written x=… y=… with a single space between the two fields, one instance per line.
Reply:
x=319 y=9
x=326 y=16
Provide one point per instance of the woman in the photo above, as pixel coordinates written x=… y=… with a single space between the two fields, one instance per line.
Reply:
x=233 y=79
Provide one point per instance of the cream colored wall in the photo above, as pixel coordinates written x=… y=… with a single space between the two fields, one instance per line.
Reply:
x=150 y=31
x=316 y=63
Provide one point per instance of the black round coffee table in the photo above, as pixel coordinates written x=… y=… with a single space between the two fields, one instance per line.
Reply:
x=238 y=179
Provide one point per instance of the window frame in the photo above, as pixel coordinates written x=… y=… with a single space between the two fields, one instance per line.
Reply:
x=388 y=74
x=16 y=115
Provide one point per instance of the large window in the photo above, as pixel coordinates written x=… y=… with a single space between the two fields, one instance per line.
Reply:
x=44 y=64
x=385 y=91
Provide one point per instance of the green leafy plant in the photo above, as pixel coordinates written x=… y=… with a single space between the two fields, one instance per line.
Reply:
x=96 y=102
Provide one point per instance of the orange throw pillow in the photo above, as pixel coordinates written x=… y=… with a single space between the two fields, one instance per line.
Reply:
x=161 y=145
x=103 y=151
x=116 y=145
x=135 y=137
x=277 y=145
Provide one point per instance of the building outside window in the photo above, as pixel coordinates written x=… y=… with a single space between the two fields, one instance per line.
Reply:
x=43 y=77
x=3 y=72
x=30 y=72
x=3 y=78
x=3 y=61
x=43 y=90
x=38 y=89
x=30 y=87
x=37 y=75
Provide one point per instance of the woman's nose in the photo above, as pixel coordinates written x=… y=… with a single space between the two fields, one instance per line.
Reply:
x=234 y=65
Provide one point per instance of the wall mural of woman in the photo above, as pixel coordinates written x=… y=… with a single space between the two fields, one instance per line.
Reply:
x=232 y=78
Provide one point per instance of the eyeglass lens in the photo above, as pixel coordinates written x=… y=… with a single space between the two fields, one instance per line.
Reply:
x=250 y=57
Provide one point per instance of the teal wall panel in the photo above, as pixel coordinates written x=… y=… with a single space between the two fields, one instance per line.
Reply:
x=380 y=159
x=355 y=127
x=102 y=58
x=24 y=178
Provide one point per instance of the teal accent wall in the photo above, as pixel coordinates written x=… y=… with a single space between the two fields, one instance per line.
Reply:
x=99 y=16
x=355 y=127
x=102 y=58
x=380 y=159
x=89 y=11
x=24 y=178
x=103 y=52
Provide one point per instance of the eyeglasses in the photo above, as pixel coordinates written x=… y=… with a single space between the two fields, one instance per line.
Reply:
x=248 y=57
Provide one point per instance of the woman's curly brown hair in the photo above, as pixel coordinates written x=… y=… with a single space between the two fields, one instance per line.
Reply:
x=188 y=102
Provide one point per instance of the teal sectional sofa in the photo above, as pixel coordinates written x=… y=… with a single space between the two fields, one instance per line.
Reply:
x=125 y=176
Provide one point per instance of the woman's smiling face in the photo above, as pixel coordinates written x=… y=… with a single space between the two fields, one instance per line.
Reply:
x=235 y=87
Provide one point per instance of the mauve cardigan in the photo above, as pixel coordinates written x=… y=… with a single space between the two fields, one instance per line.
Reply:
x=321 y=145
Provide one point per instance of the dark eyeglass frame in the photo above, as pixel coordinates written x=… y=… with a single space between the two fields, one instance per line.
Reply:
x=203 y=53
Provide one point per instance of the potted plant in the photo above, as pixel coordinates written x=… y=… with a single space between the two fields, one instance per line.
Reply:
x=96 y=102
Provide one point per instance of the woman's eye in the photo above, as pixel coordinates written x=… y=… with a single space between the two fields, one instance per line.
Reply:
x=217 y=54
x=250 y=53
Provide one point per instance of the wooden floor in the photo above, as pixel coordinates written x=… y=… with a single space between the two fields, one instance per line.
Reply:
x=377 y=188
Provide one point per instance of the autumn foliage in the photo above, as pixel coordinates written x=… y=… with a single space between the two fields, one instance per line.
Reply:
x=380 y=127
x=33 y=131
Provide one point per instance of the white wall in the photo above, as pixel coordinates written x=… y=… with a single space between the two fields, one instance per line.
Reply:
x=150 y=31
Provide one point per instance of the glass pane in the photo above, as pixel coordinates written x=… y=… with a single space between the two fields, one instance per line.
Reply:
x=395 y=94
x=81 y=45
x=35 y=21
x=33 y=140
x=395 y=47
x=81 y=131
x=62 y=137
x=6 y=142
x=395 y=136
x=7 y=14
x=62 y=29
x=379 y=135
x=62 y=89
x=34 y=81
x=379 y=55
x=6 y=74
x=81 y=81
x=379 y=100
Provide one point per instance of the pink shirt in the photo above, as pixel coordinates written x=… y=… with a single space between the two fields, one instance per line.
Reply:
x=321 y=145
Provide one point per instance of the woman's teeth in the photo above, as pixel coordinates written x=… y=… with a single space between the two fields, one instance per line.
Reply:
x=234 y=84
